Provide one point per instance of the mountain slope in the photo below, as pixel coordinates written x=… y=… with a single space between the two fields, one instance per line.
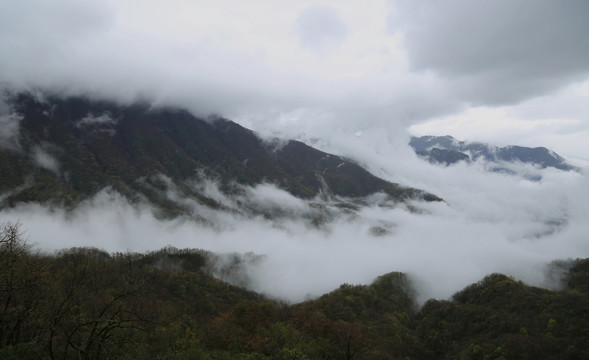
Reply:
x=448 y=150
x=69 y=149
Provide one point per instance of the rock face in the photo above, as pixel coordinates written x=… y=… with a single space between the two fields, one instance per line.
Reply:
x=66 y=150
x=448 y=150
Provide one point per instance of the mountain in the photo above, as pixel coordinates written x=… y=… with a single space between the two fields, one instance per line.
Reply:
x=68 y=149
x=443 y=156
x=448 y=150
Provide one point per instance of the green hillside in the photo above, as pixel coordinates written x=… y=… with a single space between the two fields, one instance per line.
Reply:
x=84 y=303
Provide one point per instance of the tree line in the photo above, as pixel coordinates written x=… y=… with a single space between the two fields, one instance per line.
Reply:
x=85 y=303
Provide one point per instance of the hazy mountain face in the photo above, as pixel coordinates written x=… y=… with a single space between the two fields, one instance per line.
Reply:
x=448 y=150
x=69 y=149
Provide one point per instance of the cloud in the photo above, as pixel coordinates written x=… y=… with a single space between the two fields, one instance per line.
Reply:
x=334 y=75
x=45 y=160
x=489 y=223
x=320 y=28
x=337 y=63
x=212 y=59
x=558 y=122
x=497 y=52
x=39 y=35
x=102 y=119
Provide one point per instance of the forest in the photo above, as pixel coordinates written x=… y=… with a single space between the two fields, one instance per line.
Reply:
x=85 y=303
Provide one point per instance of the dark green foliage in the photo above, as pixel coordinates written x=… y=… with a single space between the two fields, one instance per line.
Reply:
x=84 y=303
x=578 y=278
x=498 y=312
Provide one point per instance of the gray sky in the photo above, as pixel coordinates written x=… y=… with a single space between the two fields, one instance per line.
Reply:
x=504 y=71
x=498 y=52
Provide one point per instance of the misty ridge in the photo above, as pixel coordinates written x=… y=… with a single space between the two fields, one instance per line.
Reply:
x=513 y=160
x=78 y=172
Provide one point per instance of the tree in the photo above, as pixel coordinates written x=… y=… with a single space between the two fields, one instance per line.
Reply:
x=97 y=307
x=21 y=279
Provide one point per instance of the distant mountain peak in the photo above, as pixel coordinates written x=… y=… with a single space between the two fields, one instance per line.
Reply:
x=448 y=150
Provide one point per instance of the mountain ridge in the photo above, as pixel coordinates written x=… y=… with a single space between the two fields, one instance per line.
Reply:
x=71 y=148
x=447 y=150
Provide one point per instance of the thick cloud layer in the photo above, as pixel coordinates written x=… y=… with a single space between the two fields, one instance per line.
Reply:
x=498 y=51
x=305 y=68
x=320 y=28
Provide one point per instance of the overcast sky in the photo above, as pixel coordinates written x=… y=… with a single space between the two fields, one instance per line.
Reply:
x=507 y=71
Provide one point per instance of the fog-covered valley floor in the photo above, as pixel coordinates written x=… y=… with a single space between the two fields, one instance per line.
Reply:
x=294 y=249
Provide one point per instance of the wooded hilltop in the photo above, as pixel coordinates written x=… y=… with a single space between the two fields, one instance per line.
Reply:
x=85 y=303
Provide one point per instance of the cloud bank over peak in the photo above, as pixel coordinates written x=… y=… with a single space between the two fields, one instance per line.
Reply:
x=326 y=65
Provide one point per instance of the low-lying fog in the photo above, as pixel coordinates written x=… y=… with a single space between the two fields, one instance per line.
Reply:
x=488 y=223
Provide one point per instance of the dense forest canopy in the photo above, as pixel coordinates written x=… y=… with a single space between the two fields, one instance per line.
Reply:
x=85 y=303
